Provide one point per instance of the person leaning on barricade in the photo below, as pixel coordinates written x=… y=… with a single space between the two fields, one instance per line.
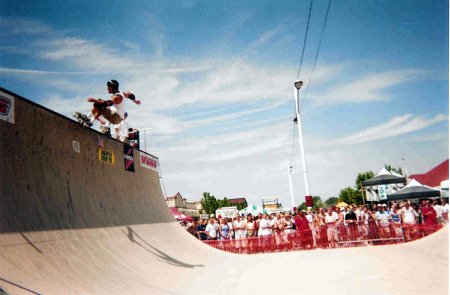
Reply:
x=408 y=219
x=351 y=219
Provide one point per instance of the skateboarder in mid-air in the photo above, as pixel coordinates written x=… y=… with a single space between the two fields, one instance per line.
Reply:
x=112 y=110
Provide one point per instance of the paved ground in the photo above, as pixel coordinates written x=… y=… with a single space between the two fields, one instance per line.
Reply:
x=71 y=224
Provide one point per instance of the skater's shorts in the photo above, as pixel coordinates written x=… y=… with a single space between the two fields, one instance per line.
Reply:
x=114 y=118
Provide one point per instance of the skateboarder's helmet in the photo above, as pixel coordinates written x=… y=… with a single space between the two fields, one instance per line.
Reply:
x=113 y=84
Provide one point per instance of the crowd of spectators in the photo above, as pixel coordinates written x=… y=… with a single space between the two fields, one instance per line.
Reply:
x=323 y=221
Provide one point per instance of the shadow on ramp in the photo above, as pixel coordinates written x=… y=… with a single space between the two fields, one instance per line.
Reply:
x=162 y=256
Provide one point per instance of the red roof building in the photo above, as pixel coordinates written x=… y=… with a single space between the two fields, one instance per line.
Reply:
x=237 y=201
x=434 y=177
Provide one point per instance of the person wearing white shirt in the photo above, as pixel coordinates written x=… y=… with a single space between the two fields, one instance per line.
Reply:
x=265 y=227
x=211 y=230
x=122 y=129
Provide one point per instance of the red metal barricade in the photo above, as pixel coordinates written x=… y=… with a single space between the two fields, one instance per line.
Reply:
x=329 y=236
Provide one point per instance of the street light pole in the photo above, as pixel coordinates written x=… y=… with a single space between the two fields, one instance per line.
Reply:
x=404 y=164
x=289 y=162
x=298 y=84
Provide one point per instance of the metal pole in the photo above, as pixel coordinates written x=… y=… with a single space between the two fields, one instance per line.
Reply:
x=404 y=163
x=289 y=161
x=145 y=141
x=300 y=137
x=145 y=137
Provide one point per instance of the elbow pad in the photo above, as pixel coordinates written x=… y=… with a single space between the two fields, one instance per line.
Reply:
x=131 y=96
x=109 y=103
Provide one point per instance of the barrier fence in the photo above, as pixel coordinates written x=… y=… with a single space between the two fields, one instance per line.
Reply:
x=328 y=236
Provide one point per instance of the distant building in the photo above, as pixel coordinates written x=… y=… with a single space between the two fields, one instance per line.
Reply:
x=238 y=201
x=189 y=208
x=434 y=177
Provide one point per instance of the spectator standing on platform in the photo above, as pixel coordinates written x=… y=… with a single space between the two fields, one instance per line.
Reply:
x=122 y=129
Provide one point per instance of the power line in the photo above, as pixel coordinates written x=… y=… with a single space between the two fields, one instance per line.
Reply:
x=317 y=53
x=304 y=42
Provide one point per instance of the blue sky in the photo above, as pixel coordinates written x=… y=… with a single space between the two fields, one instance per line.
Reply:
x=216 y=81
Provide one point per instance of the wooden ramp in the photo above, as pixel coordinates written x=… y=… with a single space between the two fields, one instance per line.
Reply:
x=72 y=224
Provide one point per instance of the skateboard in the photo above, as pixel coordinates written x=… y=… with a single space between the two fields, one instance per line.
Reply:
x=82 y=119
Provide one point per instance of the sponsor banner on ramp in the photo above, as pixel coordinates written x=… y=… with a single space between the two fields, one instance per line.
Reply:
x=128 y=157
x=106 y=156
x=133 y=138
x=149 y=162
x=6 y=107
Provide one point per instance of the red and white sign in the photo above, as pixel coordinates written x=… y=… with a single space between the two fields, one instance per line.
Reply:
x=149 y=162
x=6 y=107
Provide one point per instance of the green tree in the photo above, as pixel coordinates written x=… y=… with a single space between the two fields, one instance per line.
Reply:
x=209 y=203
x=330 y=202
x=362 y=176
x=390 y=168
x=350 y=196
x=242 y=205
x=224 y=203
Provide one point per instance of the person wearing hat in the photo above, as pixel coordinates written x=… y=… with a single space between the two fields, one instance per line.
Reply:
x=383 y=219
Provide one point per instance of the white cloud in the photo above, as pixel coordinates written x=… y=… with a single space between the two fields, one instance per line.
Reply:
x=372 y=87
x=22 y=26
x=394 y=127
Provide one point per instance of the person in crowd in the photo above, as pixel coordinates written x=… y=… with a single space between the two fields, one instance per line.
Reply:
x=437 y=205
x=395 y=215
x=429 y=214
x=396 y=220
x=239 y=228
x=250 y=226
x=357 y=212
x=192 y=228
x=351 y=219
x=383 y=218
x=330 y=221
x=304 y=229
x=364 y=221
x=256 y=221
x=121 y=130
x=408 y=214
x=287 y=224
x=445 y=210
x=230 y=226
x=265 y=229
x=342 y=212
x=293 y=216
x=183 y=224
x=211 y=229
x=278 y=225
x=419 y=217
x=201 y=229
x=224 y=229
